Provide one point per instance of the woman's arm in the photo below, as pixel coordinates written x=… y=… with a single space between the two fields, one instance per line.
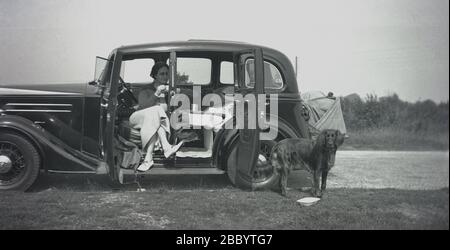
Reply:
x=147 y=99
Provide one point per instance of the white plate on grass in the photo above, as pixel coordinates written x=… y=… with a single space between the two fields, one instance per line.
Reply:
x=308 y=201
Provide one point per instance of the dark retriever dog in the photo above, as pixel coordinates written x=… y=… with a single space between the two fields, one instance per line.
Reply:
x=315 y=156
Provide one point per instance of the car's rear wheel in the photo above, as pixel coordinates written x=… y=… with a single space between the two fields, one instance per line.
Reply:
x=19 y=162
x=263 y=177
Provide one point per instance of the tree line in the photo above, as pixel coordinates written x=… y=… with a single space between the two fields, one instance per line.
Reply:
x=391 y=112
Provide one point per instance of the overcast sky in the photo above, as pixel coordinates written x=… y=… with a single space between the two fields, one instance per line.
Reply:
x=345 y=46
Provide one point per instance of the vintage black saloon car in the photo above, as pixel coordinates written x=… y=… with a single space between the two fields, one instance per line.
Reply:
x=70 y=128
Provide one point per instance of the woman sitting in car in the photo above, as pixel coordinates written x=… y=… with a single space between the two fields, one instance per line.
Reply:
x=151 y=118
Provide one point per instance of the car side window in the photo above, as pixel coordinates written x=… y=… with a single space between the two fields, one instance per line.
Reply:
x=272 y=76
x=137 y=70
x=227 y=73
x=193 y=71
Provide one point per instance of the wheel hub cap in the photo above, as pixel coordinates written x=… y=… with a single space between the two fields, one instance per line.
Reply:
x=262 y=158
x=5 y=164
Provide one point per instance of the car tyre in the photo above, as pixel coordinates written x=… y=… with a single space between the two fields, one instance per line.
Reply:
x=265 y=176
x=19 y=162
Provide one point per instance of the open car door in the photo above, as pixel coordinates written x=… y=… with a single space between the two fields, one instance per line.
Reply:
x=108 y=105
x=247 y=145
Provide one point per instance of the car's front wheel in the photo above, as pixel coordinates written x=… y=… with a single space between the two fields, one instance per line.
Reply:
x=19 y=162
x=263 y=176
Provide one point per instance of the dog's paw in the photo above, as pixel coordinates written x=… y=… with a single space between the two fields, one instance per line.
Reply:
x=316 y=192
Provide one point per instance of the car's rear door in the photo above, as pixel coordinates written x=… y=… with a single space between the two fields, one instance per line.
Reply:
x=248 y=143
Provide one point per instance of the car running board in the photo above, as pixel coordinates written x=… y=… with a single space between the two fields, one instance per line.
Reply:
x=167 y=171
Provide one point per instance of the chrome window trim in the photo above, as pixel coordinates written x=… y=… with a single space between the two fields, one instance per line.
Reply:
x=39 y=110
x=40 y=104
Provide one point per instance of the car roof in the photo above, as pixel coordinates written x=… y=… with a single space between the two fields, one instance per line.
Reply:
x=270 y=54
x=192 y=45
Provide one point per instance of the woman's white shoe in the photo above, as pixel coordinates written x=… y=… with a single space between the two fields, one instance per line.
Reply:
x=145 y=166
x=173 y=149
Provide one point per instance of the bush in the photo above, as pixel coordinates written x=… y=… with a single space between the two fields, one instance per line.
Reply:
x=391 y=112
x=396 y=124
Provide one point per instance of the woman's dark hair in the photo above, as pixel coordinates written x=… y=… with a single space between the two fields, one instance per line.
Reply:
x=157 y=67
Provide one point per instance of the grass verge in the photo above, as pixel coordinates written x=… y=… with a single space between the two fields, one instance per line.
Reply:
x=226 y=208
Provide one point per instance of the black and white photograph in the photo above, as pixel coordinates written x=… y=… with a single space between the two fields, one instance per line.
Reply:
x=235 y=117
